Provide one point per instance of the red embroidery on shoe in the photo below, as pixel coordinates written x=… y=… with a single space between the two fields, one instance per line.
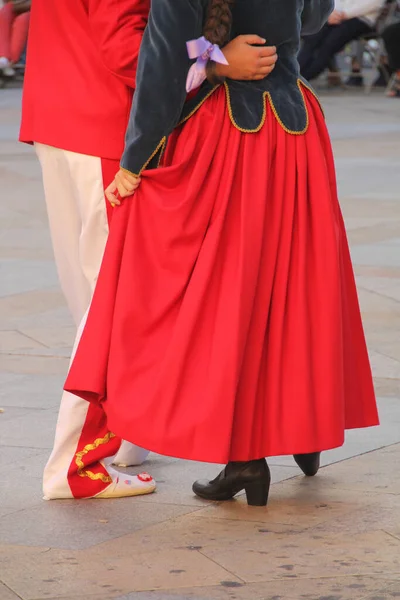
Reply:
x=144 y=477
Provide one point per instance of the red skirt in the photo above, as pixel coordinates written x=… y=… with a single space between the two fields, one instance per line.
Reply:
x=225 y=323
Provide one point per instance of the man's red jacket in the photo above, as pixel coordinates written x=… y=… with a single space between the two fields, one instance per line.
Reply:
x=80 y=75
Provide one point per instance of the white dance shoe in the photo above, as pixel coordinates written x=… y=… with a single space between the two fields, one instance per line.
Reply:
x=128 y=485
x=122 y=486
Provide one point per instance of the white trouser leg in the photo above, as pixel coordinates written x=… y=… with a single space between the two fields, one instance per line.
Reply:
x=71 y=418
x=73 y=185
x=76 y=207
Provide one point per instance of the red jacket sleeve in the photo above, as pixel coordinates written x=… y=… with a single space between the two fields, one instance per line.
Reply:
x=117 y=28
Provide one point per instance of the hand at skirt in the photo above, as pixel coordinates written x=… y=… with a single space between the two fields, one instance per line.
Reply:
x=125 y=184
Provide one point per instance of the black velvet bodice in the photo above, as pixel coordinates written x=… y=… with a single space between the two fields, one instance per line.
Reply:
x=159 y=103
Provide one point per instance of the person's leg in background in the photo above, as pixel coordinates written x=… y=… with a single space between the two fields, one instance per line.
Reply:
x=335 y=40
x=74 y=190
x=6 y=23
x=19 y=36
x=309 y=46
x=391 y=38
x=22 y=58
x=334 y=75
x=355 y=78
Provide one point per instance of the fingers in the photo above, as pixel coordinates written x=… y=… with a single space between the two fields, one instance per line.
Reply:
x=252 y=39
x=259 y=73
x=264 y=66
x=263 y=71
x=267 y=61
x=110 y=194
x=266 y=51
x=126 y=183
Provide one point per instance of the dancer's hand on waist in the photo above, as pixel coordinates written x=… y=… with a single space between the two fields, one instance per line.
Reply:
x=248 y=59
x=125 y=184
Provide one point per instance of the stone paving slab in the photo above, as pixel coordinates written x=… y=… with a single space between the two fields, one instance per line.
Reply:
x=334 y=537
x=318 y=589
x=320 y=536
x=7 y=594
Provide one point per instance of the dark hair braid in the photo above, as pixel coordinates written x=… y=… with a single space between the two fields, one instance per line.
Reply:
x=218 y=21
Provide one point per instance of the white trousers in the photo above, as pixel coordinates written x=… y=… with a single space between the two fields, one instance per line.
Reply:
x=74 y=191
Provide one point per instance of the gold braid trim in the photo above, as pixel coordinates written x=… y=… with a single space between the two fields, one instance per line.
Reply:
x=161 y=146
x=163 y=142
x=300 y=84
x=262 y=122
x=196 y=108
x=82 y=472
x=279 y=119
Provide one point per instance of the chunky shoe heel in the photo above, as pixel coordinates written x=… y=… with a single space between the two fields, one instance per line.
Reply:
x=253 y=476
x=257 y=493
x=308 y=463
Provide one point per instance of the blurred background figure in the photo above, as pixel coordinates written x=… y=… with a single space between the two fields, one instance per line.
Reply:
x=391 y=39
x=14 y=27
x=373 y=45
x=350 y=20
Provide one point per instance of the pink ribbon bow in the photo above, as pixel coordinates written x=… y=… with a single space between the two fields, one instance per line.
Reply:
x=204 y=51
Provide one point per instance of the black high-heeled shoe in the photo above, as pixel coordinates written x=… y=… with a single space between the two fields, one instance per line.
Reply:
x=253 y=477
x=308 y=463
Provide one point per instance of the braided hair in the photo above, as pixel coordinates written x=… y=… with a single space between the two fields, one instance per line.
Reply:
x=218 y=21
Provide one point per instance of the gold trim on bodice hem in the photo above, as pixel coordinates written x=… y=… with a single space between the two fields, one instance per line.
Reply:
x=300 y=84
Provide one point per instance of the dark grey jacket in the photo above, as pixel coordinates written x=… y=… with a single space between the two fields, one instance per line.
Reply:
x=159 y=102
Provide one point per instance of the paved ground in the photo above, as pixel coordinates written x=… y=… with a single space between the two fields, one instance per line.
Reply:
x=336 y=537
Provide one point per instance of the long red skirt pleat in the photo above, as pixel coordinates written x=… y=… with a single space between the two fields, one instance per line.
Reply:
x=225 y=324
